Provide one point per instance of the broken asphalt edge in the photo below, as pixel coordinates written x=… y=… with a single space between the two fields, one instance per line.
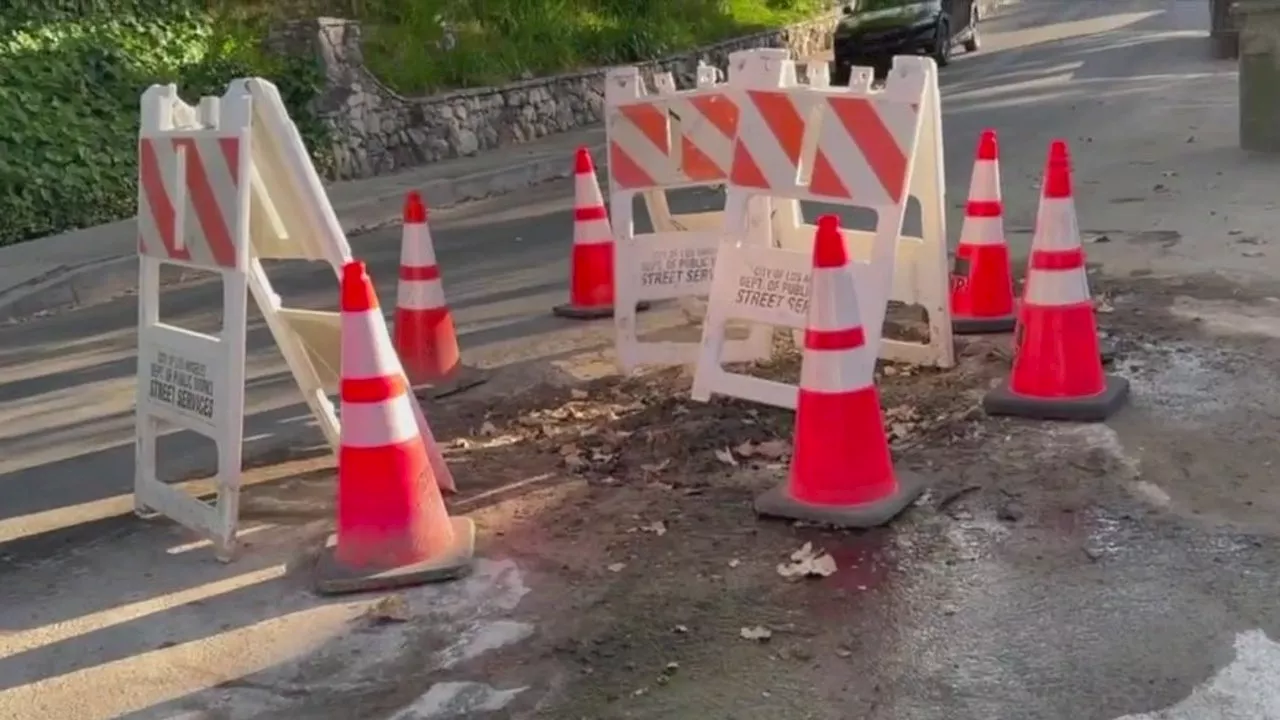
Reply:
x=103 y=279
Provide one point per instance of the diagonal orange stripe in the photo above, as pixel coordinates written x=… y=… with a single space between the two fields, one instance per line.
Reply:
x=231 y=154
x=213 y=224
x=651 y=122
x=784 y=121
x=825 y=181
x=696 y=165
x=745 y=171
x=720 y=110
x=879 y=147
x=151 y=182
x=625 y=171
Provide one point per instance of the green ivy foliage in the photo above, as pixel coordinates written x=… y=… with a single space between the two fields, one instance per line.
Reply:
x=71 y=76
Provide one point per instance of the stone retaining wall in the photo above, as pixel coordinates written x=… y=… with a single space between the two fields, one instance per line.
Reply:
x=378 y=131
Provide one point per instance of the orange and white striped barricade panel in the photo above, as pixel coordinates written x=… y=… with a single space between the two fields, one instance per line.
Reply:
x=194 y=178
x=920 y=271
x=659 y=142
x=851 y=146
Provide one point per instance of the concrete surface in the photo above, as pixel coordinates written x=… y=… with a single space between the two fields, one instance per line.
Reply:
x=88 y=266
x=1155 y=601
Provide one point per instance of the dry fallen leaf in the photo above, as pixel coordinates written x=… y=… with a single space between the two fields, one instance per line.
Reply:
x=735 y=563
x=808 y=562
x=657 y=527
x=656 y=468
x=757 y=633
x=390 y=609
x=898 y=430
x=726 y=456
x=773 y=449
x=617 y=567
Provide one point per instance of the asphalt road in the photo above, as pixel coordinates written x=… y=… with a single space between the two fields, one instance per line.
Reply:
x=67 y=383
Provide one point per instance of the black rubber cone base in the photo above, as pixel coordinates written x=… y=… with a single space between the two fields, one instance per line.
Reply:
x=779 y=502
x=1096 y=408
x=983 y=326
x=580 y=312
x=464 y=377
x=333 y=578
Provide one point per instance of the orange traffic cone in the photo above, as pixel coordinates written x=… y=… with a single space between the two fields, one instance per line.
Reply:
x=981 y=280
x=425 y=338
x=1057 y=370
x=1106 y=348
x=841 y=470
x=393 y=528
x=591 y=287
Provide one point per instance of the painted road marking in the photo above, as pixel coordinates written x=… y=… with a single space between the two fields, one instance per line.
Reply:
x=1247 y=689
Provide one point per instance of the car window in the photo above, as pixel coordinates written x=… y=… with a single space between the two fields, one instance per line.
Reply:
x=874 y=5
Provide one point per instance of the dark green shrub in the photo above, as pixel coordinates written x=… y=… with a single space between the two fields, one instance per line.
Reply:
x=70 y=80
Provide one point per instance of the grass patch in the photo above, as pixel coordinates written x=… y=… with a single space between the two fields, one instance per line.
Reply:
x=420 y=47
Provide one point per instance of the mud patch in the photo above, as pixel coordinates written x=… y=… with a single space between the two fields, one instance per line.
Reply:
x=1203 y=357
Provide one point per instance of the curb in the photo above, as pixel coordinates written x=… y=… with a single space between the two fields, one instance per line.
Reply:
x=105 y=279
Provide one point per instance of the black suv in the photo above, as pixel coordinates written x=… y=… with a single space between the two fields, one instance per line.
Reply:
x=873 y=31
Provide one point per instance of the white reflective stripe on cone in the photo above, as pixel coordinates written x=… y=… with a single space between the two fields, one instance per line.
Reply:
x=982 y=231
x=834 y=371
x=1056 y=227
x=369 y=425
x=984 y=183
x=1052 y=288
x=828 y=286
x=415 y=247
x=591 y=232
x=361 y=361
x=420 y=295
x=586 y=191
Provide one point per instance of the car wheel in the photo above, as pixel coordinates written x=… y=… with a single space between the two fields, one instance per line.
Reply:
x=974 y=40
x=942 y=46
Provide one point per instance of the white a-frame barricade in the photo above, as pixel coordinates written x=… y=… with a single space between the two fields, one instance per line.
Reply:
x=921 y=274
x=223 y=186
x=658 y=142
x=847 y=146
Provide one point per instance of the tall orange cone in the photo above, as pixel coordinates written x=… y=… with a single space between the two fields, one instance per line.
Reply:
x=982 y=279
x=591 y=286
x=841 y=470
x=1106 y=348
x=393 y=528
x=1057 y=370
x=425 y=338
